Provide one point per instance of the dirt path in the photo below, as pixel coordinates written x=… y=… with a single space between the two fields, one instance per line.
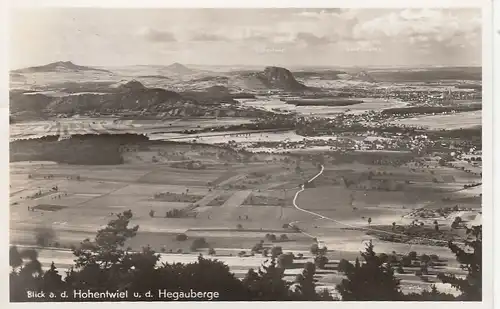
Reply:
x=302 y=188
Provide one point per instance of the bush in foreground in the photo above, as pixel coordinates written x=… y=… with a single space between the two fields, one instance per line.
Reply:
x=102 y=264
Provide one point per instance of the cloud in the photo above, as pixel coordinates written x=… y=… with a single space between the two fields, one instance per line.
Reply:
x=207 y=37
x=311 y=39
x=319 y=13
x=419 y=26
x=154 y=35
x=362 y=46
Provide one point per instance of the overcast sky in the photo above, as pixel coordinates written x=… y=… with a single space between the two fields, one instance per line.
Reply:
x=288 y=37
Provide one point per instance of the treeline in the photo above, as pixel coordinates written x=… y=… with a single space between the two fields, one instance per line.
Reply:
x=102 y=265
x=431 y=109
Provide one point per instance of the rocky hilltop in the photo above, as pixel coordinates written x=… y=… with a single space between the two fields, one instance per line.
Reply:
x=59 y=66
x=280 y=78
x=271 y=78
x=180 y=69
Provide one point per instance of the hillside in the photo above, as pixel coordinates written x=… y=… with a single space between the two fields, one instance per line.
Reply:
x=180 y=69
x=127 y=98
x=427 y=74
x=59 y=66
x=271 y=78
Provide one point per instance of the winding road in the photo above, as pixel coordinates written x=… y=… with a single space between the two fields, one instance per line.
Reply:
x=302 y=188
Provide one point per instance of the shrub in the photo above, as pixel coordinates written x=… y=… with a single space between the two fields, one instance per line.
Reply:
x=400 y=270
x=283 y=237
x=257 y=247
x=406 y=261
x=425 y=258
x=393 y=259
x=181 y=237
x=434 y=257
x=285 y=260
x=320 y=261
x=384 y=258
x=314 y=249
x=344 y=266
x=44 y=236
x=239 y=227
x=424 y=270
x=198 y=243
x=271 y=237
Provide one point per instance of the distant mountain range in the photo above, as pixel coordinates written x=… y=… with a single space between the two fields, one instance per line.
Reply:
x=271 y=78
x=128 y=97
x=59 y=66
x=180 y=69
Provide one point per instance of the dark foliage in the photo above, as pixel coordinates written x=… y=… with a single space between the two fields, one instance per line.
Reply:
x=471 y=260
x=103 y=265
x=370 y=280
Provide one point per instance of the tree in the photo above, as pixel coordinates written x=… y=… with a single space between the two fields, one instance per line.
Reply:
x=258 y=247
x=456 y=223
x=384 y=258
x=15 y=259
x=103 y=265
x=470 y=260
x=370 y=280
x=267 y=283
x=314 y=249
x=283 y=237
x=369 y=221
x=239 y=226
x=44 y=236
x=198 y=243
x=400 y=269
x=271 y=237
x=344 y=266
x=211 y=251
x=412 y=255
x=276 y=251
x=320 y=261
x=306 y=285
x=107 y=248
x=181 y=237
x=265 y=252
x=424 y=258
x=285 y=260
x=392 y=258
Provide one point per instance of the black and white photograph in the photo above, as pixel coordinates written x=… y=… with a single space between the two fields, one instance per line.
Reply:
x=177 y=154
